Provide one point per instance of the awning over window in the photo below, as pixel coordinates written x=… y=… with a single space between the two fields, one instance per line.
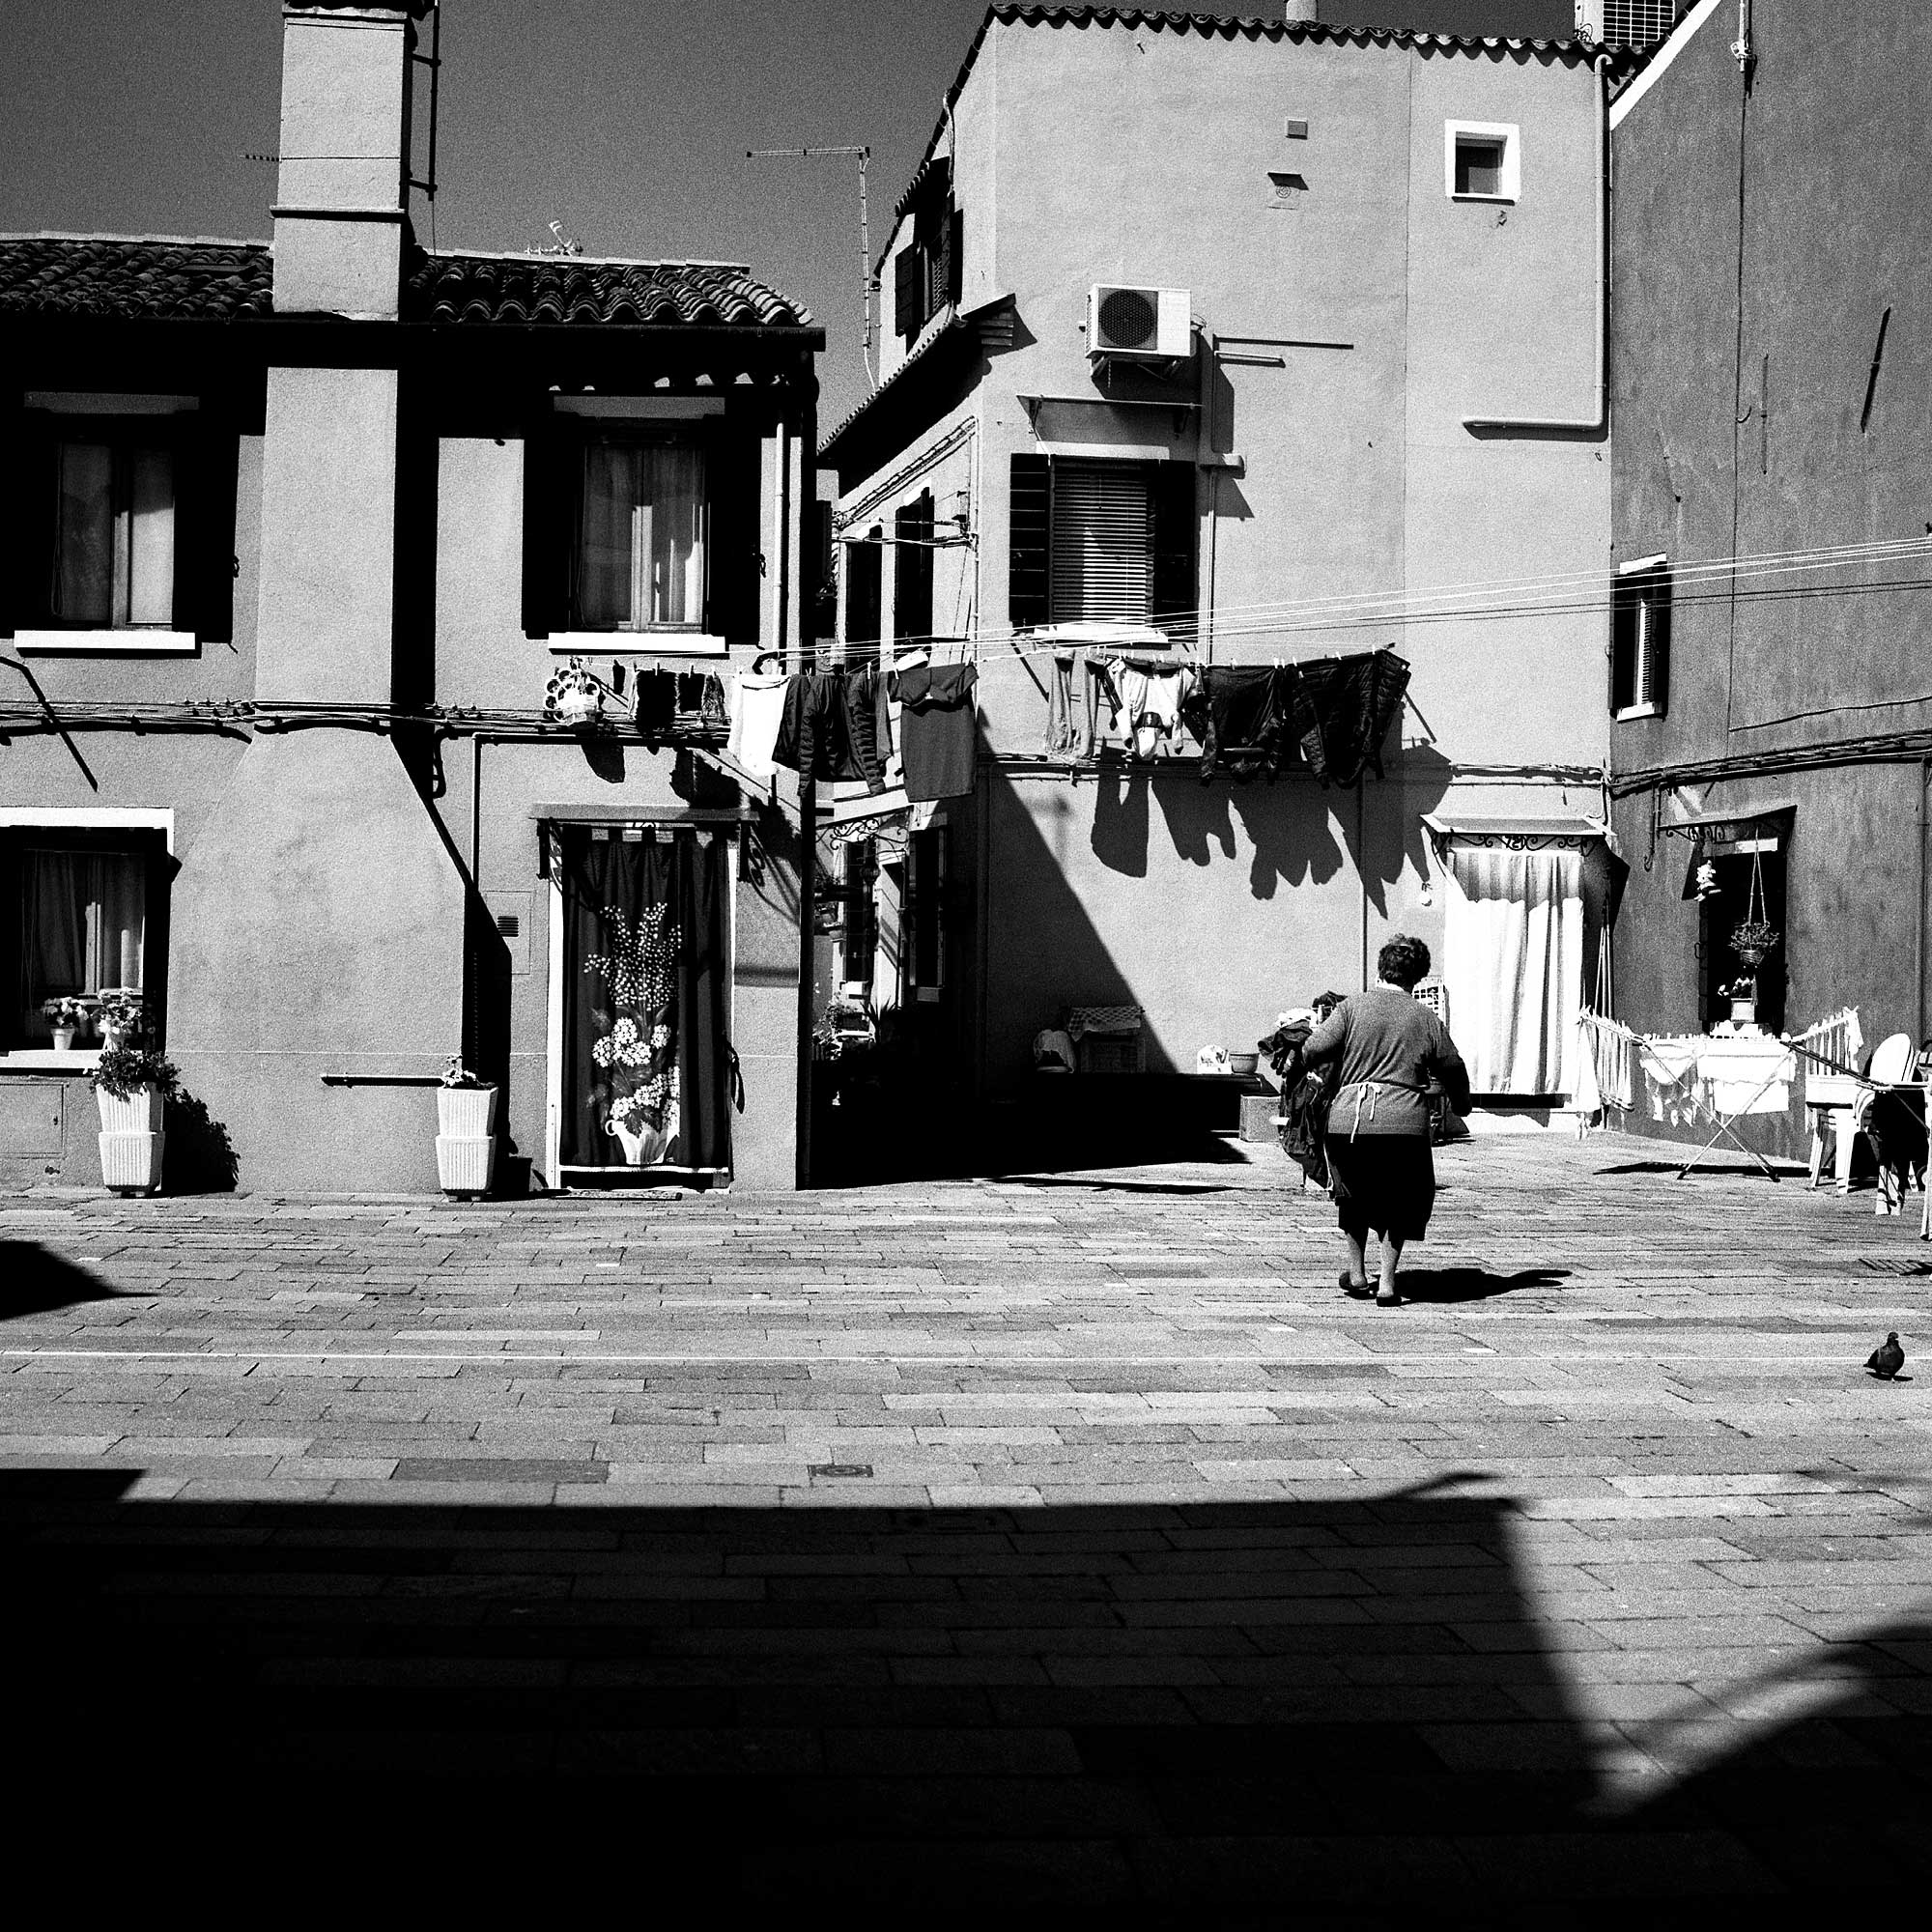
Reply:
x=1514 y=831
x=1727 y=826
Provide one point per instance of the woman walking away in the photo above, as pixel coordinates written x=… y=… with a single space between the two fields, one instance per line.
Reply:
x=1387 y=1045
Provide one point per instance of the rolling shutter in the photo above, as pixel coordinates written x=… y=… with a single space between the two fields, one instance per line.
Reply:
x=1102 y=543
x=1028 y=527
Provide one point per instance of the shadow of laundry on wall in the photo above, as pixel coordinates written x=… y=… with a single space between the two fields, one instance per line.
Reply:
x=33 y=1280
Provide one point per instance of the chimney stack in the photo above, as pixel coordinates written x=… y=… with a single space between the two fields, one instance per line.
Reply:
x=1302 y=9
x=342 y=196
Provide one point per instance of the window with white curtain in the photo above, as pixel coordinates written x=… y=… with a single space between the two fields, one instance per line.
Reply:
x=641 y=537
x=80 y=912
x=114 y=532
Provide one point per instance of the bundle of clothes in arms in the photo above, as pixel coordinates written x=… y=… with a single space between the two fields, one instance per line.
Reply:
x=914 y=726
x=1252 y=721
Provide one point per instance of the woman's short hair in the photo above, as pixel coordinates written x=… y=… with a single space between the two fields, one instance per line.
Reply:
x=1403 y=962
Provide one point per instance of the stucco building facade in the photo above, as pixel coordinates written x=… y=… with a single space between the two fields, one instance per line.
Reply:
x=1370 y=414
x=298 y=535
x=1772 y=373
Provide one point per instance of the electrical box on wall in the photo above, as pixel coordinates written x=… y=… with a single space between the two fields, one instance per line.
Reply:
x=1139 y=324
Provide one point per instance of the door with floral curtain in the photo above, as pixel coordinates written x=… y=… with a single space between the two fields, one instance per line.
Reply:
x=644 y=977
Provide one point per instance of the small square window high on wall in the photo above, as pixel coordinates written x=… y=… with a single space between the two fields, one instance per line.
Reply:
x=1482 y=160
x=1640 y=639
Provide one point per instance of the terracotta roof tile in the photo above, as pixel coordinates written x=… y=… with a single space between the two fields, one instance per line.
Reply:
x=133 y=275
x=577 y=289
x=152 y=275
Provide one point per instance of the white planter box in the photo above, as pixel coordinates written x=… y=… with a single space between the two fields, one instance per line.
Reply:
x=465 y=1165
x=466 y=1113
x=140 y=1113
x=131 y=1163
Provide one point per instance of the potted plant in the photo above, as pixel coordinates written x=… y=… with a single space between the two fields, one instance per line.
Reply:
x=1743 y=995
x=132 y=1085
x=69 y=1015
x=466 y=1141
x=123 y=1015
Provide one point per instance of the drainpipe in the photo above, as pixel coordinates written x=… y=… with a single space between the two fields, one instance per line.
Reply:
x=1598 y=420
x=1919 y=924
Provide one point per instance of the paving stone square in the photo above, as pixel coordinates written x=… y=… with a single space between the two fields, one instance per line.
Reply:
x=1124 y=1563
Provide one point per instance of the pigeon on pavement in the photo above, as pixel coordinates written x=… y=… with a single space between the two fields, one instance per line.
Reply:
x=1888 y=1358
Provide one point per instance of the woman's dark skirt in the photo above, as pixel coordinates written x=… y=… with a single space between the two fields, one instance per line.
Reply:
x=1383 y=1181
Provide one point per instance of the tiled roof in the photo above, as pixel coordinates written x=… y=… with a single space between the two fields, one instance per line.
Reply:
x=1229 y=27
x=577 y=289
x=133 y=275
x=126 y=275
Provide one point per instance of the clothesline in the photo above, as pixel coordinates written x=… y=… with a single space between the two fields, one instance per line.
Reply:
x=1481 y=597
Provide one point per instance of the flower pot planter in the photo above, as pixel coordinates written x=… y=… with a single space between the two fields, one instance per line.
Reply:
x=63 y=1039
x=1744 y=1012
x=131 y=1163
x=466 y=1113
x=139 y=1113
x=465 y=1165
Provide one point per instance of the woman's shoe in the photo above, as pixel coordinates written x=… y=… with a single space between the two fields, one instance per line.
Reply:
x=1358 y=1291
x=1388 y=1297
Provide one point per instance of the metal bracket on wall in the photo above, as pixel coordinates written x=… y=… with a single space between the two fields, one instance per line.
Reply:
x=382 y=1079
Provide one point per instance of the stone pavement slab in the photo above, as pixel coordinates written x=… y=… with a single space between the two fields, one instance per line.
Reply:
x=1056 y=1537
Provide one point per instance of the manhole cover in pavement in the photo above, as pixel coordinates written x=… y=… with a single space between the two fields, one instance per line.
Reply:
x=1892 y=1264
x=838 y=1468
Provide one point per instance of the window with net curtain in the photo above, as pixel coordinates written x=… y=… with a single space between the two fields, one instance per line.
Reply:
x=642 y=529
x=114 y=534
x=83 y=926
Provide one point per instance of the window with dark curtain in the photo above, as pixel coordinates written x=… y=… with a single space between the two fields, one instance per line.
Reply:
x=911 y=569
x=81 y=913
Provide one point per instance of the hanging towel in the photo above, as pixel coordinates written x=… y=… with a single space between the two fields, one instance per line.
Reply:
x=1062 y=735
x=757 y=705
x=938 y=729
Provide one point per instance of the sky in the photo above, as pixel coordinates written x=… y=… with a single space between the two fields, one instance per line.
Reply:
x=625 y=119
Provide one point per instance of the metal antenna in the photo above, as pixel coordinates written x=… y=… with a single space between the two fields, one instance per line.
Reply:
x=866 y=284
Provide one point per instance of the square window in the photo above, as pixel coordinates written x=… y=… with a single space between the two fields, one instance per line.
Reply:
x=112 y=563
x=1482 y=162
x=640 y=535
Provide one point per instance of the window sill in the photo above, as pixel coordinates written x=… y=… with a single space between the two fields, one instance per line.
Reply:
x=637 y=644
x=1503 y=200
x=131 y=642
x=44 y=1060
x=1633 y=711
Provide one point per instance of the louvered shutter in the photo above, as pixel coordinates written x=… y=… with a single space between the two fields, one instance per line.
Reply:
x=205 y=455
x=1654 y=657
x=1028 y=541
x=1176 y=530
x=551 y=489
x=26 y=516
x=864 y=593
x=1102 y=544
x=955 y=256
x=909 y=290
x=734 y=533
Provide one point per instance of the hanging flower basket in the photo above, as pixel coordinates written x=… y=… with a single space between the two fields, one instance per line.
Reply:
x=1751 y=939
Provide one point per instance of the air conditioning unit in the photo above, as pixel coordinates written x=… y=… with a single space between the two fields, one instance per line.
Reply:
x=1139 y=325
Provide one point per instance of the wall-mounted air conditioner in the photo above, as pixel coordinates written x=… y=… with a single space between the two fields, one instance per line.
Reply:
x=1138 y=324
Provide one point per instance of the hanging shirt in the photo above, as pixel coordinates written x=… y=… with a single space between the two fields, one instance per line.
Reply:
x=758 y=704
x=938 y=729
x=1242 y=714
